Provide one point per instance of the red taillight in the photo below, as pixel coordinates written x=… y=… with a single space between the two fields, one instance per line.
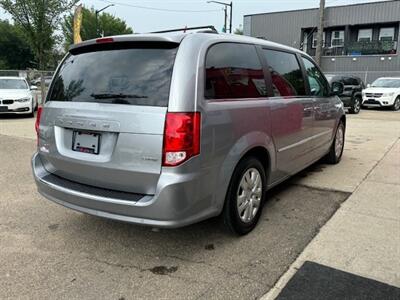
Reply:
x=37 y=123
x=104 y=40
x=181 y=137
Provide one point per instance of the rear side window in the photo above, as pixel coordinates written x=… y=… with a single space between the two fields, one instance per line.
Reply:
x=350 y=81
x=355 y=81
x=286 y=74
x=234 y=71
x=121 y=75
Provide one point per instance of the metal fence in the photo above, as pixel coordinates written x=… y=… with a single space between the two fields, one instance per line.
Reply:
x=40 y=79
x=368 y=77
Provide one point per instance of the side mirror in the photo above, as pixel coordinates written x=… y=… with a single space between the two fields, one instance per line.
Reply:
x=368 y=85
x=33 y=88
x=337 y=88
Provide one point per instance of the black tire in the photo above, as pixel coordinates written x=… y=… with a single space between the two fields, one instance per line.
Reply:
x=356 y=106
x=334 y=157
x=396 y=104
x=231 y=215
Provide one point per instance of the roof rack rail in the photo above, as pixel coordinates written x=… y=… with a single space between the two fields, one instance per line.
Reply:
x=210 y=27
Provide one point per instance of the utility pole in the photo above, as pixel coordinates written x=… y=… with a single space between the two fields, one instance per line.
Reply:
x=225 y=8
x=97 y=13
x=226 y=18
x=230 y=19
x=320 y=33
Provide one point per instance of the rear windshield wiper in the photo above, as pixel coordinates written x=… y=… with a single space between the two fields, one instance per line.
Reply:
x=117 y=96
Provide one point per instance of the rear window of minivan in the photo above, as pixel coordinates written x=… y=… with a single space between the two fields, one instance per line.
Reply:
x=121 y=73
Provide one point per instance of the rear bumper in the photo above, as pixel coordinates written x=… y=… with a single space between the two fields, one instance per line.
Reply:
x=177 y=202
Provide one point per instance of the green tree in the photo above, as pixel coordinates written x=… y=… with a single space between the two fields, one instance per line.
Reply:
x=15 y=52
x=38 y=19
x=107 y=25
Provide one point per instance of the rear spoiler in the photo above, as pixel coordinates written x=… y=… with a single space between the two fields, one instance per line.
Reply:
x=127 y=40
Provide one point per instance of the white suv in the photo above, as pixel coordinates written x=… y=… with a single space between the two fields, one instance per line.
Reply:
x=383 y=92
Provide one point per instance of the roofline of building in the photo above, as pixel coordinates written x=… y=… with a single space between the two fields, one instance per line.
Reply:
x=316 y=8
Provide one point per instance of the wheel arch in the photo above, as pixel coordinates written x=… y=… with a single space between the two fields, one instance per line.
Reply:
x=261 y=147
x=262 y=154
x=343 y=119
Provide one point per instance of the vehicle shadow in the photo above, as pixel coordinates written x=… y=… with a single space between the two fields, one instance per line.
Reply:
x=14 y=116
x=378 y=109
x=203 y=256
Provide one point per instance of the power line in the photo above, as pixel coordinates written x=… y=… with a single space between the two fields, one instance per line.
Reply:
x=160 y=9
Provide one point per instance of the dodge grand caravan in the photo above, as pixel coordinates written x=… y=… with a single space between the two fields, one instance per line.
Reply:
x=170 y=129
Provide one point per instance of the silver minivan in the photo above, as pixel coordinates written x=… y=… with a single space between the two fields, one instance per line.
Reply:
x=170 y=129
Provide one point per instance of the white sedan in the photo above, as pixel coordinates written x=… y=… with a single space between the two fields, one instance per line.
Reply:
x=383 y=92
x=16 y=96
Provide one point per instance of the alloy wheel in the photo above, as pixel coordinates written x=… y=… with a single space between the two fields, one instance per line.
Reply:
x=339 y=141
x=249 y=195
x=357 y=105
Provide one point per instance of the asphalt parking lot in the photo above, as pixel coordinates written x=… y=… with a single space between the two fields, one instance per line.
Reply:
x=47 y=251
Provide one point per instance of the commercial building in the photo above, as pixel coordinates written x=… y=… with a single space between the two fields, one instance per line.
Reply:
x=359 y=39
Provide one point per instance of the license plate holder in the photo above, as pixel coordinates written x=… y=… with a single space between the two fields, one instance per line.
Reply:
x=86 y=142
x=3 y=108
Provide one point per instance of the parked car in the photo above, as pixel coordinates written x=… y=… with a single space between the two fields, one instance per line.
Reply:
x=172 y=129
x=352 y=94
x=383 y=92
x=16 y=96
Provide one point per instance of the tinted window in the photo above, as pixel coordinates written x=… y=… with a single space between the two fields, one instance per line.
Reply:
x=318 y=85
x=287 y=77
x=350 y=81
x=234 y=71
x=347 y=81
x=356 y=81
x=137 y=76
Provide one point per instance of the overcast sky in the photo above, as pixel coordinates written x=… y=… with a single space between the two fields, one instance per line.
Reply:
x=194 y=12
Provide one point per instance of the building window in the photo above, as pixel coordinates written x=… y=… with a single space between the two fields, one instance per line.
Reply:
x=386 y=34
x=365 y=35
x=337 y=38
x=314 y=39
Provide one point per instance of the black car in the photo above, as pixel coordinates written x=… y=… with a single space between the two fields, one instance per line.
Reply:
x=351 y=97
